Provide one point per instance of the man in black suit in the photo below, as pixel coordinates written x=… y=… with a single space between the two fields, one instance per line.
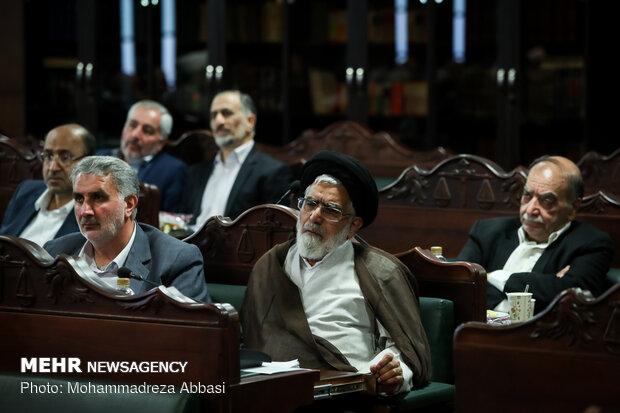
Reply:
x=545 y=247
x=240 y=176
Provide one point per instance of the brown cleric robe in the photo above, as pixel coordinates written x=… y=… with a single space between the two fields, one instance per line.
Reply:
x=274 y=321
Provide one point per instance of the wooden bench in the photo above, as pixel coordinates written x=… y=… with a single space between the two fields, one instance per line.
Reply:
x=565 y=359
x=601 y=173
x=54 y=308
x=438 y=206
x=383 y=154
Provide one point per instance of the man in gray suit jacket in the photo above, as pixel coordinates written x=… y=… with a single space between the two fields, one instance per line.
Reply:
x=105 y=192
x=240 y=176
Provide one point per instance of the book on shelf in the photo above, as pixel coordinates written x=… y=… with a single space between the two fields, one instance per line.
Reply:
x=398 y=98
x=271 y=22
x=328 y=96
x=415 y=98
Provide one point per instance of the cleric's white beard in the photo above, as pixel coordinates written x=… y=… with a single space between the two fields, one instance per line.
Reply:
x=313 y=247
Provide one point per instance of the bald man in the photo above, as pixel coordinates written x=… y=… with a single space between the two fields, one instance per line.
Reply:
x=43 y=210
x=544 y=248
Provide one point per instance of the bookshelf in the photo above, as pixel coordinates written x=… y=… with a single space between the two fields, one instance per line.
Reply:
x=293 y=56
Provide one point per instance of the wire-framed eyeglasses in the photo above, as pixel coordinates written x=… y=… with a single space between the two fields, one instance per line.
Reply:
x=329 y=212
x=64 y=158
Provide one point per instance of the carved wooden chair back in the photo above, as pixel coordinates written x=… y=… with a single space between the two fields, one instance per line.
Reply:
x=231 y=248
x=438 y=206
x=383 y=154
x=193 y=146
x=516 y=368
x=18 y=163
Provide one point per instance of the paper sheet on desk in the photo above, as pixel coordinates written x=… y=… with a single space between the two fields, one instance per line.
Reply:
x=276 y=367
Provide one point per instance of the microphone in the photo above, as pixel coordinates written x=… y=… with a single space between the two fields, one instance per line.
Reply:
x=125 y=272
x=293 y=187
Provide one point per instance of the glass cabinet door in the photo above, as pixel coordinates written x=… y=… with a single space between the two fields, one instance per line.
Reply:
x=87 y=61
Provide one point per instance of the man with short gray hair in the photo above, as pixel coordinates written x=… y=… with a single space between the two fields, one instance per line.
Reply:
x=105 y=192
x=145 y=133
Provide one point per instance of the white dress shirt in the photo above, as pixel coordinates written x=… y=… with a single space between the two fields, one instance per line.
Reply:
x=107 y=274
x=221 y=181
x=46 y=223
x=522 y=259
x=337 y=310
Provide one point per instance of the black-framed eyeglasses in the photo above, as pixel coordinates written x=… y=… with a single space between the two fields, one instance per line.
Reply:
x=64 y=158
x=329 y=212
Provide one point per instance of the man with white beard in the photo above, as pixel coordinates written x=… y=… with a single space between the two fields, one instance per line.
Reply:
x=240 y=176
x=332 y=303
x=544 y=249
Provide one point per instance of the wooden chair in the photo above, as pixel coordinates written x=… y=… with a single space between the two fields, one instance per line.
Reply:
x=193 y=146
x=17 y=163
x=231 y=248
x=383 y=154
x=148 y=205
x=565 y=359
x=602 y=210
x=463 y=283
x=601 y=173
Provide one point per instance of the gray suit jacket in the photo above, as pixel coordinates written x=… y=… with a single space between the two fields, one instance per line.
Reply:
x=155 y=256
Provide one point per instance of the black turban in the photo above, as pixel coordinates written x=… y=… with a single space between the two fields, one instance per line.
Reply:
x=357 y=180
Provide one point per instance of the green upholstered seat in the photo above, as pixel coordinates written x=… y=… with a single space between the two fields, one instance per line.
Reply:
x=438 y=320
x=383 y=182
x=614 y=275
x=227 y=293
x=438 y=396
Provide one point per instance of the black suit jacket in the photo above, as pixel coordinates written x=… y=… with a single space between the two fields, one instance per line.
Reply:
x=261 y=180
x=586 y=249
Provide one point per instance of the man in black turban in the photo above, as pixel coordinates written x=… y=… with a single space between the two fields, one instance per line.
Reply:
x=333 y=303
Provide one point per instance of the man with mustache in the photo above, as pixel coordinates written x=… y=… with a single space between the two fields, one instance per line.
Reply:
x=333 y=303
x=41 y=210
x=240 y=176
x=105 y=192
x=545 y=248
x=145 y=133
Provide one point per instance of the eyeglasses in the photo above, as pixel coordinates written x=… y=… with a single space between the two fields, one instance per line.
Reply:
x=329 y=212
x=63 y=158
